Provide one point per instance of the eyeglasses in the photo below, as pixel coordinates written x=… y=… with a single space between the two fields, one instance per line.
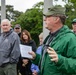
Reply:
x=17 y=28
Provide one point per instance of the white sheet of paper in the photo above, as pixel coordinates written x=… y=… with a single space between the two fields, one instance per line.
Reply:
x=24 y=49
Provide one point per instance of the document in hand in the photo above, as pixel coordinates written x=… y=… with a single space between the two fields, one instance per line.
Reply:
x=24 y=49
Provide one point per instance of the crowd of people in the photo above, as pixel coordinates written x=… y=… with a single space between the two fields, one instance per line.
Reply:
x=55 y=55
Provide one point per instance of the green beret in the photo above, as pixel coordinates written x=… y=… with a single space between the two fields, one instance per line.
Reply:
x=55 y=10
x=74 y=21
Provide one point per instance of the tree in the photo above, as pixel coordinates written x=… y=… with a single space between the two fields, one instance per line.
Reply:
x=39 y=5
x=70 y=12
x=12 y=14
x=32 y=20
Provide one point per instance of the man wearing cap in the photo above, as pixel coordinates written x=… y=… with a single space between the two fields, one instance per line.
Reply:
x=59 y=48
x=74 y=25
x=17 y=29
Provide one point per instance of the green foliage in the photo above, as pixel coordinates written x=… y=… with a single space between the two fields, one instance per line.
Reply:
x=70 y=12
x=32 y=20
x=12 y=14
x=39 y=5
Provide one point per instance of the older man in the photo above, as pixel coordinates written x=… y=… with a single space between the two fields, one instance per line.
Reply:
x=17 y=29
x=59 y=49
x=9 y=49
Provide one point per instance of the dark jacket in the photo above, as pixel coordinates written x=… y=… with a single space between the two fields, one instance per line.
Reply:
x=9 y=47
x=27 y=69
x=65 y=46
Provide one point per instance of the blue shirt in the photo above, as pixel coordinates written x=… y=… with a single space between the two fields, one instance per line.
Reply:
x=33 y=66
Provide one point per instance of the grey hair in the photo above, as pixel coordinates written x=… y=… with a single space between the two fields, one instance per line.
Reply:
x=41 y=34
x=6 y=20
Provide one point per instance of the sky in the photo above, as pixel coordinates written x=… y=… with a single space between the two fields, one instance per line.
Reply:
x=21 y=5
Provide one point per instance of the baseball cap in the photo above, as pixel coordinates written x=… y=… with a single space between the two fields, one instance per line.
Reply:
x=74 y=21
x=55 y=10
x=17 y=26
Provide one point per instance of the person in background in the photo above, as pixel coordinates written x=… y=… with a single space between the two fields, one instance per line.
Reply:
x=25 y=63
x=35 y=68
x=58 y=55
x=9 y=49
x=74 y=25
x=41 y=43
x=17 y=29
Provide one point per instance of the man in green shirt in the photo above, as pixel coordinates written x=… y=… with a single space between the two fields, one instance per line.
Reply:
x=59 y=47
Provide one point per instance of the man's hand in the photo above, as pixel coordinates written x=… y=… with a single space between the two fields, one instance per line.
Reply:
x=52 y=54
x=34 y=73
x=33 y=54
